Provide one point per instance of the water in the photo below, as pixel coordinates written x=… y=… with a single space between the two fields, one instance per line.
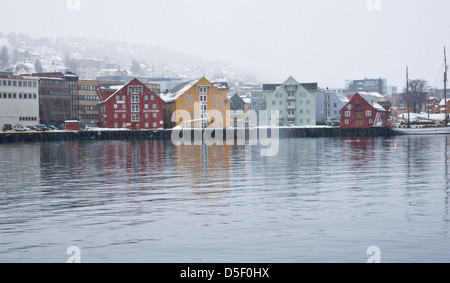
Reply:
x=318 y=200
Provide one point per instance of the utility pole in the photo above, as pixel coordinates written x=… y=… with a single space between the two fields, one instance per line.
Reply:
x=445 y=87
x=407 y=95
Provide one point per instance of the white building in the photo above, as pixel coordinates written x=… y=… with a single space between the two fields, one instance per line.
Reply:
x=19 y=100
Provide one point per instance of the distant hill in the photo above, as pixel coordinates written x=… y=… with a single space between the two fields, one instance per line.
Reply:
x=118 y=54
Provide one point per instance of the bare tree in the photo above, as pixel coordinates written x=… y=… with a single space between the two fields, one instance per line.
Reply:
x=417 y=94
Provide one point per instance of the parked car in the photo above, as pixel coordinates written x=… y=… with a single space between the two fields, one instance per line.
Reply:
x=32 y=128
x=21 y=128
x=41 y=128
x=52 y=128
x=7 y=127
x=90 y=128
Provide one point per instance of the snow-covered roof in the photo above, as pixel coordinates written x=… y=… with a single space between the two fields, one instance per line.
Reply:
x=178 y=90
x=442 y=103
x=372 y=100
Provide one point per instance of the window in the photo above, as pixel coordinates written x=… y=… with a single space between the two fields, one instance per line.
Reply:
x=221 y=105
x=273 y=102
x=369 y=113
x=203 y=89
x=281 y=102
x=135 y=118
x=135 y=99
x=146 y=116
x=154 y=106
x=347 y=122
x=116 y=106
x=191 y=105
x=219 y=97
x=135 y=89
x=203 y=107
x=134 y=108
x=116 y=116
x=370 y=121
x=214 y=97
x=145 y=97
x=347 y=114
x=203 y=98
x=154 y=125
x=124 y=106
x=116 y=125
x=146 y=125
x=184 y=105
x=146 y=106
x=124 y=116
x=155 y=115
x=214 y=105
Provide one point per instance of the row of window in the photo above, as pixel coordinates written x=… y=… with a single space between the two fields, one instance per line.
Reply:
x=258 y=95
x=135 y=107
x=368 y=113
x=262 y=103
x=52 y=82
x=18 y=83
x=346 y=121
x=290 y=95
x=18 y=95
x=146 y=115
x=89 y=117
x=203 y=107
x=280 y=102
x=134 y=98
x=27 y=118
x=203 y=98
x=292 y=112
x=89 y=97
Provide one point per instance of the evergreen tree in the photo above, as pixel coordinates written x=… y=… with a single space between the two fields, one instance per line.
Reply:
x=136 y=67
x=4 y=57
x=38 y=66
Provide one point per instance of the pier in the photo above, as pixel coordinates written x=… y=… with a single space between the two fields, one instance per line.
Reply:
x=284 y=133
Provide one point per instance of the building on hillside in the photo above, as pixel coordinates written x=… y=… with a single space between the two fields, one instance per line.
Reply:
x=19 y=100
x=132 y=106
x=365 y=110
x=328 y=107
x=197 y=104
x=295 y=103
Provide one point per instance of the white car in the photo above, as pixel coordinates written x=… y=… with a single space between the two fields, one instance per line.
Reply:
x=20 y=128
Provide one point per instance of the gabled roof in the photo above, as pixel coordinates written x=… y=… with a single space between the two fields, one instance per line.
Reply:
x=178 y=90
x=373 y=99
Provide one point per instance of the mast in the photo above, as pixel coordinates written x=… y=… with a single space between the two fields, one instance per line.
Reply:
x=445 y=88
x=407 y=95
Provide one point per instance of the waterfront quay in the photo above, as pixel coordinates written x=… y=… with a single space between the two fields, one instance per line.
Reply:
x=166 y=134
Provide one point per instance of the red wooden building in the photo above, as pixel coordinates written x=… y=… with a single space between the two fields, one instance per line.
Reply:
x=133 y=106
x=365 y=110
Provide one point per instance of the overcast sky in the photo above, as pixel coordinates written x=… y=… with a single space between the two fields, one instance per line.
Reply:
x=324 y=41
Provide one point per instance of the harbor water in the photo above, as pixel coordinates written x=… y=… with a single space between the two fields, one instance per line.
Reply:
x=318 y=200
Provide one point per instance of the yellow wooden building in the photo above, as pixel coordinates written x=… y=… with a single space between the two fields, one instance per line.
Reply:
x=197 y=104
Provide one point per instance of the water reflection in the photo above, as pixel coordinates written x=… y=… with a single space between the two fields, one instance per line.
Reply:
x=324 y=199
